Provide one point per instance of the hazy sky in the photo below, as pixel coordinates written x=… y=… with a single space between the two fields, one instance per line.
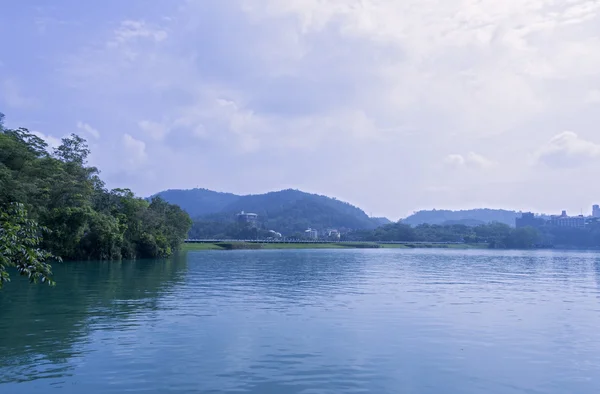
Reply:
x=392 y=105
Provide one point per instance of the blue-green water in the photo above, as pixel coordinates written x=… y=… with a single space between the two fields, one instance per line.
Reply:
x=341 y=321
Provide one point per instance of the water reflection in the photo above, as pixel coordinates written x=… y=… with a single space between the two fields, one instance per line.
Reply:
x=381 y=321
x=46 y=327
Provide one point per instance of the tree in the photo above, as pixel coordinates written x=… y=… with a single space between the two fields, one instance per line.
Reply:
x=20 y=238
x=61 y=193
x=34 y=144
x=523 y=238
x=73 y=149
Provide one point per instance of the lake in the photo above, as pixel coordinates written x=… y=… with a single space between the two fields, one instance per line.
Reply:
x=303 y=321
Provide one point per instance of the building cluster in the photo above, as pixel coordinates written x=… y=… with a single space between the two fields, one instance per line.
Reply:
x=311 y=234
x=251 y=220
x=529 y=219
x=331 y=235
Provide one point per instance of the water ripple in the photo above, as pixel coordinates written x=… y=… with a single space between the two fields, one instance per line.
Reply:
x=352 y=321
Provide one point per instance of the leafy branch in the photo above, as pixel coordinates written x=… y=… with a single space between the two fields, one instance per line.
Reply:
x=20 y=239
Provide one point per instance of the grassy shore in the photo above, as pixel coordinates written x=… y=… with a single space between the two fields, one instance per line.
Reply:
x=408 y=245
x=362 y=245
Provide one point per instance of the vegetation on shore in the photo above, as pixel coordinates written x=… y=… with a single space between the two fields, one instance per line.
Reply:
x=339 y=245
x=54 y=204
x=282 y=245
x=495 y=235
x=469 y=217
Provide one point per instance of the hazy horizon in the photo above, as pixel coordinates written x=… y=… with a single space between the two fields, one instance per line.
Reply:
x=393 y=106
x=396 y=218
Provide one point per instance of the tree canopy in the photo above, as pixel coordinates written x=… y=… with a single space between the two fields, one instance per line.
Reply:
x=496 y=235
x=286 y=211
x=20 y=239
x=58 y=191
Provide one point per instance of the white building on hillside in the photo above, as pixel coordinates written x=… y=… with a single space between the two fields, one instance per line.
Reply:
x=311 y=234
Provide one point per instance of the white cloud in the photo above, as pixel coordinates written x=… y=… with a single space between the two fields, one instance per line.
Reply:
x=88 y=129
x=471 y=160
x=353 y=84
x=52 y=142
x=567 y=149
x=132 y=30
x=155 y=130
x=593 y=97
x=135 y=151
x=13 y=96
x=455 y=160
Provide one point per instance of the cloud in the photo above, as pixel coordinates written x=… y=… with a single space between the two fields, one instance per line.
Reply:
x=471 y=160
x=132 y=30
x=155 y=130
x=13 y=96
x=88 y=129
x=299 y=89
x=593 y=97
x=135 y=151
x=52 y=142
x=567 y=149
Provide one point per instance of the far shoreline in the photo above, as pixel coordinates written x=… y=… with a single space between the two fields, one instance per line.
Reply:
x=236 y=245
x=191 y=247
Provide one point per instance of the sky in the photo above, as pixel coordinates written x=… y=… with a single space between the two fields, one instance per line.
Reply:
x=391 y=105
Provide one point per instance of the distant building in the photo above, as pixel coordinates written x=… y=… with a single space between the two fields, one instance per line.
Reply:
x=528 y=219
x=275 y=234
x=592 y=221
x=334 y=235
x=247 y=218
x=596 y=211
x=311 y=234
x=567 y=221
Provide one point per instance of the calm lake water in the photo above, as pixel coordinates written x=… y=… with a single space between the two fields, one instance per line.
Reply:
x=339 y=321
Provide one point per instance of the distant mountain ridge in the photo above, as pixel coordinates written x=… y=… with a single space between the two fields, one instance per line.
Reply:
x=199 y=202
x=287 y=211
x=470 y=217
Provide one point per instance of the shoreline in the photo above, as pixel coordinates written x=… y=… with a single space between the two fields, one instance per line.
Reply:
x=192 y=247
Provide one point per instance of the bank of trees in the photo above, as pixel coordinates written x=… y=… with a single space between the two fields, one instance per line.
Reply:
x=60 y=193
x=496 y=235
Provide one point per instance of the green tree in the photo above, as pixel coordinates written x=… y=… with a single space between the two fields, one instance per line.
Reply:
x=20 y=239
x=62 y=193
x=73 y=149
x=522 y=238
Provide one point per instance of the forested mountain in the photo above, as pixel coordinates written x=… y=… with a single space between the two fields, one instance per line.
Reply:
x=53 y=202
x=199 y=202
x=381 y=221
x=470 y=217
x=287 y=211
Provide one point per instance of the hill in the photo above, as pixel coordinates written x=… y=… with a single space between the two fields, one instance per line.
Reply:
x=468 y=217
x=286 y=211
x=199 y=202
x=381 y=221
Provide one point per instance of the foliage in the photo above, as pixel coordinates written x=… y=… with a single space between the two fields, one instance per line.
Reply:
x=287 y=211
x=467 y=217
x=86 y=220
x=226 y=230
x=496 y=235
x=20 y=239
